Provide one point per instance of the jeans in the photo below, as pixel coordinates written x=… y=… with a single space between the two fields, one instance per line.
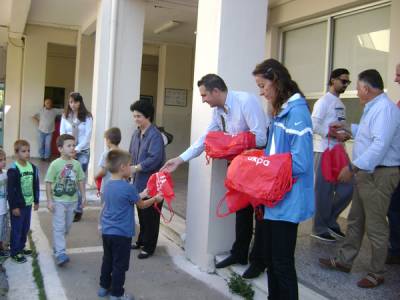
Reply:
x=117 y=251
x=279 y=246
x=330 y=200
x=45 y=144
x=19 y=229
x=63 y=215
x=83 y=158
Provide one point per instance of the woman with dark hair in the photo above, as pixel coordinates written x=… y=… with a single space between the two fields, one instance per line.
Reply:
x=290 y=132
x=148 y=156
x=77 y=121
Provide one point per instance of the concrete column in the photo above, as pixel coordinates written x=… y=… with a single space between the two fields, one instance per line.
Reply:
x=84 y=67
x=394 y=51
x=12 y=109
x=117 y=69
x=230 y=41
x=162 y=66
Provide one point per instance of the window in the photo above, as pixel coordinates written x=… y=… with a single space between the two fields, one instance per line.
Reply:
x=357 y=40
x=304 y=56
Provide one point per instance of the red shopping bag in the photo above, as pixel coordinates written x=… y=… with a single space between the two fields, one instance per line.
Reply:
x=262 y=180
x=333 y=161
x=222 y=145
x=98 y=182
x=161 y=183
x=234 y=201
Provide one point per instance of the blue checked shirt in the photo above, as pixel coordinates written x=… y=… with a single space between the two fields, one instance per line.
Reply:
x=244 y=113
x=377 y=137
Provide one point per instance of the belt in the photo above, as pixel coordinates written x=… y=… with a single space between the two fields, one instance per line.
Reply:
x=380 y=167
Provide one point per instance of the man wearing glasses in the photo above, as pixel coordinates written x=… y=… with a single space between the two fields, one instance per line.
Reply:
x=330 y=199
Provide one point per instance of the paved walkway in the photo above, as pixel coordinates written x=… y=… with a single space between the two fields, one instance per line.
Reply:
x=160 y=277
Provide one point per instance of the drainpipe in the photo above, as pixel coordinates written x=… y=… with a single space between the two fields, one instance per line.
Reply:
x=111 y=62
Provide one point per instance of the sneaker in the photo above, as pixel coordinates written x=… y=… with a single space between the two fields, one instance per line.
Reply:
x=62 y=259
x=77 y=217
x=19 y=258
x=337 y=233
x=143 y=255
x=102 y=292
x=326 y=237
x=123 y=297
x=27 y=252
x=4 y=253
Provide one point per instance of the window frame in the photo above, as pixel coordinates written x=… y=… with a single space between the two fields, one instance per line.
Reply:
x=330 y=19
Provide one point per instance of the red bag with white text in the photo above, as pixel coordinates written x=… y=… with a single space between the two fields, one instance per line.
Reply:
x=333 y=161
x=161 y=183
x=262 y=180
x=219 y=144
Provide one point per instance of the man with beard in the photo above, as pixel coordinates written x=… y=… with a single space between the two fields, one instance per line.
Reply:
x=331 y=199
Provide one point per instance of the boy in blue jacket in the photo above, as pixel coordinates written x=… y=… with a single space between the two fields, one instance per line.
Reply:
x=23 y=191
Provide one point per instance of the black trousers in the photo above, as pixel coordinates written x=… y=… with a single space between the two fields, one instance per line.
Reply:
x=117 y=250
x=257 y=252
x=149 y=221
x=394 y=223
x=243 y=235
x=279 y=246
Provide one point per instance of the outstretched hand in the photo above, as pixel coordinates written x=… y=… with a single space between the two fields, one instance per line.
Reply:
x=172 y=164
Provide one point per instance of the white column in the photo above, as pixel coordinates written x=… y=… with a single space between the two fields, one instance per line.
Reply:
x=230 y=41
x=117 y=69
x=12 y=109
x=84 y=67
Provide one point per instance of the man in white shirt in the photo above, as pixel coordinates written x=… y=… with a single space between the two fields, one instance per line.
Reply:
x=233 y=112
x=331 y=199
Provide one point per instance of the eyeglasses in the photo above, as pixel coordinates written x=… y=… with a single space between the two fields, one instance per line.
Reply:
x=344 y=81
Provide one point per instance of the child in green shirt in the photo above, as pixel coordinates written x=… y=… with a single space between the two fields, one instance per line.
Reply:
x=63 y=178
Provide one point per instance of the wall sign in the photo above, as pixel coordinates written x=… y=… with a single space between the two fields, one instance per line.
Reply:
x=175 y=97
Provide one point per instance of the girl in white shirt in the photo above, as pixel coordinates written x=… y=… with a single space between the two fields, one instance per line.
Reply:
x=77 y=121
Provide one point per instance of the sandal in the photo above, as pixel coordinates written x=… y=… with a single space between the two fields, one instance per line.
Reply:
x=370 y=281
x=333 y=264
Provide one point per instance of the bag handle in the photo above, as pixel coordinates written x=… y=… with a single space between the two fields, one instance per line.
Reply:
x=219 y=206
x=162 y=215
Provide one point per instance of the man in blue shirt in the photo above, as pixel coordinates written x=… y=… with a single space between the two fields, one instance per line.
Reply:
x=233 y=112
x=375 y=167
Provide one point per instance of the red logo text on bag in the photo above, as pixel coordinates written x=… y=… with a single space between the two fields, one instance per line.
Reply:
x=219 y=144
x=333 y=161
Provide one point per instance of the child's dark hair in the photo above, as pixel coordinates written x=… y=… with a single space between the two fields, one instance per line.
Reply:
x=113 y=134
x=62 y=138
x=19 y=144
x=116 y=158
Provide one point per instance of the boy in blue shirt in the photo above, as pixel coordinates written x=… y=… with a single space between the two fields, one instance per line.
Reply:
x=118 y=224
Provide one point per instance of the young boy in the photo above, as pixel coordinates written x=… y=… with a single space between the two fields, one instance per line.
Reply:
x=22 y=191
x=3 y=206
x=63 y=178
x=113 y=138
x=118 y=224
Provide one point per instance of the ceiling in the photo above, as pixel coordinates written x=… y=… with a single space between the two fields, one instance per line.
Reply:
x=77 y=13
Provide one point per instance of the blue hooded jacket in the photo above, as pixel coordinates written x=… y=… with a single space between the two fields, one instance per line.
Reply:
x=292 y=132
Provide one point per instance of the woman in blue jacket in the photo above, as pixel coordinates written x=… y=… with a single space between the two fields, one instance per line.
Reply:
x=290 y=131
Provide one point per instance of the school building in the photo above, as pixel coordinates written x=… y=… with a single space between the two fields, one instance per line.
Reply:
x=116 y=51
